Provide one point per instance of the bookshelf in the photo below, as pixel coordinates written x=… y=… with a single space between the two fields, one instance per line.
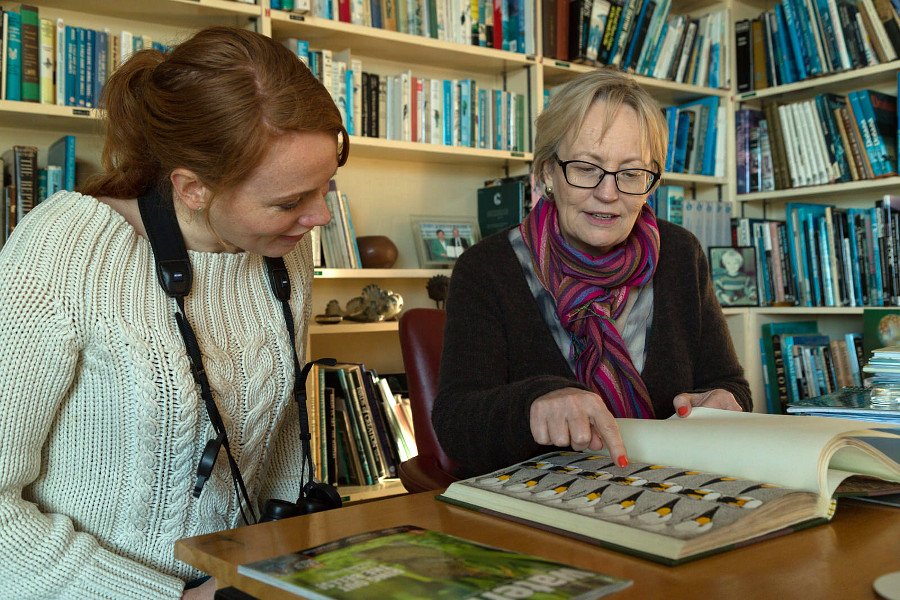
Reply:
x=386 y=181
x=832 y=321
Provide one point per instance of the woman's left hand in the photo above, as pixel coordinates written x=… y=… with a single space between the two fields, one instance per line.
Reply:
x=718 y=398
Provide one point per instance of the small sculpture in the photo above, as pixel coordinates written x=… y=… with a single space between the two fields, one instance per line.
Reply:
x=332 y=314
x=372 y=306
x=438 y=287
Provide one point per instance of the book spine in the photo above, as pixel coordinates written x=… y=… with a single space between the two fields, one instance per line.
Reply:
x=13 y=65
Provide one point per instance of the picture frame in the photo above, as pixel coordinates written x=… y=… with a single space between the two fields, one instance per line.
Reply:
x=734 y=276
x=433 y=236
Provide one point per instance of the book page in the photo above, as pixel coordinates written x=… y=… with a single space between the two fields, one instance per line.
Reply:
x=785 y=450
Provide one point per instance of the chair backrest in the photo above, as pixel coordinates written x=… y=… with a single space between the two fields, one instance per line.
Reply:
x=421 y=340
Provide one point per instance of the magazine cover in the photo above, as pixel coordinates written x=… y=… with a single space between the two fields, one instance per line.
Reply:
x=408 y=563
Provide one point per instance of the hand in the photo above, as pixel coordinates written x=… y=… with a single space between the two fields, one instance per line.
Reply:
x=207 y=591
x=576 y=418
x=718 y=398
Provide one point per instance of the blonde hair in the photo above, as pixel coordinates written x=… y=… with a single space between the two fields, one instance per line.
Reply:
x=211 y=104
x=566 y=112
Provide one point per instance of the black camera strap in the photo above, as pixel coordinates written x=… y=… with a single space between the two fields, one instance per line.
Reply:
x=173 y=270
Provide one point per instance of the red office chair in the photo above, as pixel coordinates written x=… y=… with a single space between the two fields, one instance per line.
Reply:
x=421 y=339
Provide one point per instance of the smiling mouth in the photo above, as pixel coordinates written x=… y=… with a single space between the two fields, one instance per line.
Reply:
x=603 y=216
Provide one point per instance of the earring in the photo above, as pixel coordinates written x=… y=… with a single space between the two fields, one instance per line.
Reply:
x=549 y=190
x=200 y=210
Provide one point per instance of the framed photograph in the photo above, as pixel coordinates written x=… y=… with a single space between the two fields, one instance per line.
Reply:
x=440 y=240
x=734 y=275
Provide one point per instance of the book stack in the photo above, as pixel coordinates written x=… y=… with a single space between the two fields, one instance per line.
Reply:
x=361 y=429
x=848 y=403
x=884 y=378
x=830 y=138
x=334 y=244
x=799 y=39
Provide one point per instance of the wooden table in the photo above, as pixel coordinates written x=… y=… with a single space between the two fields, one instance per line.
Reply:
x=838 y=560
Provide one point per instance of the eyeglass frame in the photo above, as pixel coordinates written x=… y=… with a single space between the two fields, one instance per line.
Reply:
x=564 y=164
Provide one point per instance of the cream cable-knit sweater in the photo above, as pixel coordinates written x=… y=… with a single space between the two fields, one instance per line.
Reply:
x=101 y=423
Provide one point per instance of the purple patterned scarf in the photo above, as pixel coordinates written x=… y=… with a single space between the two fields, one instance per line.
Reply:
x=590 y=293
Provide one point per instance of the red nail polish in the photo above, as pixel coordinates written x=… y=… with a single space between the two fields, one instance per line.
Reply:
x=682 y=411
x=623 y=462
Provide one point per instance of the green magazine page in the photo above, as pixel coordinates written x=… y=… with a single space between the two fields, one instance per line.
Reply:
x=410 y=563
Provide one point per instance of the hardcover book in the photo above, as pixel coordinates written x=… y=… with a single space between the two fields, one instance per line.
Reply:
x=412 y=563
x=691 y=488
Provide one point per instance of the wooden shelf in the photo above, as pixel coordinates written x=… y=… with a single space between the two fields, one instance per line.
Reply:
x=382 y=489
x=396 y=46
x=50 y=117
x=184 y=14
x=692 y=179
x=379 y=273
x=345 y=327
x=796 y=311
x=868 y=186
x=666 y=92
x=368 y=147
x=836 y=82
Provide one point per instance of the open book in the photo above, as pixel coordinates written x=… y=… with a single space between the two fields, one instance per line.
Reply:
x=695 y=486
x=418 y=564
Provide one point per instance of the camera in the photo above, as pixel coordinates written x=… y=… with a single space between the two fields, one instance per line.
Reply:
x=315 y=497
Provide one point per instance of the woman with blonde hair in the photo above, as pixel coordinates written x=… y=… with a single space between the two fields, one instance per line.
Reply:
x=591 y=309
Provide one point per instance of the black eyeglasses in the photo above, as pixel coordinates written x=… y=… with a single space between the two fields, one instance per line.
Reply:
x=581 y=174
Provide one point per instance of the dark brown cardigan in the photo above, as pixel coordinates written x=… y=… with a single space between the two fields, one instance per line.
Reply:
x=499 y=356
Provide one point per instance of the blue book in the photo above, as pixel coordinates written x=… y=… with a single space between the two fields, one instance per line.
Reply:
x=787 y=68
x=793 y=33
x=859 y=114
x=861 y=227
x=62 y=154
x=825 y=256
x=89 y=68
x=796 y=226
x=14 y=56
x=275 y=4
x=880 y=111
x=513 y=18
x=709 y=104
x=828 y=35
x=793 y=371
x=857 y=277
x=465 y=112
x=810 y=253
x=81 y=94
x=877 y=275
x=448 y=112
x=672 y=123
x=813 y=65
x=71 y=68
x=681 y=138
x=657 y=48
x=482 y=111
x=100 y=62
x=825 y=105
x=632 y=42
x=54 y=179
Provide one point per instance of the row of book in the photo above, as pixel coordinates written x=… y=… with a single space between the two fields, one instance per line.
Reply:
x=334 y=244
x=708 y=220
x=50 y=62
x=799 y=39
x=361 y=427
x=502 y=24
x=830 y=138
x=696 y=137
x=639 y=36
x=825 y=256
x=25 y=183
x=406 y=107
x=799 y=362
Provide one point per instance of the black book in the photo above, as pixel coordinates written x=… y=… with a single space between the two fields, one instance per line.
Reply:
x=640 y=35
x=743 y=55
x=609 y=32
x=579 y=29
x=852 y=35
